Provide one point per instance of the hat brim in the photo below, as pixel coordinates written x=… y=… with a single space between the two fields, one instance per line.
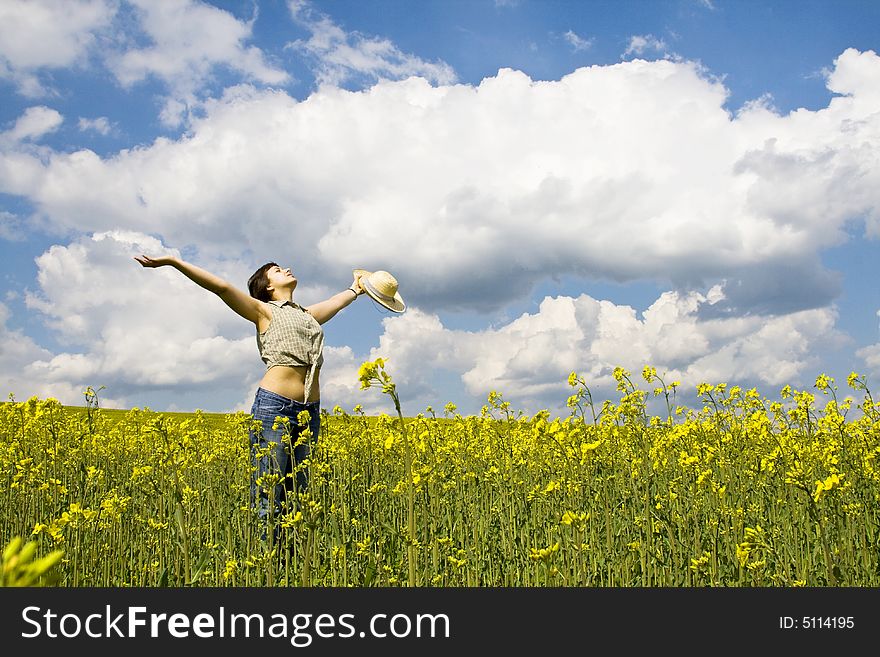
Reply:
x=395 y=304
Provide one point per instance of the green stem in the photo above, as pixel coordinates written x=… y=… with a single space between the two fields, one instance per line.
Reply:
x=410 y=494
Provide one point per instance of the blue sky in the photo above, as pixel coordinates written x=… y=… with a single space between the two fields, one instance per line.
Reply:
x=558 y=186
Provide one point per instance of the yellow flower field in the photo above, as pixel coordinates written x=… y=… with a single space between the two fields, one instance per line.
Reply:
x=738 y=492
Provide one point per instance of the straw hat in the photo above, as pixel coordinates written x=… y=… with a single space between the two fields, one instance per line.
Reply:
x=382 y=288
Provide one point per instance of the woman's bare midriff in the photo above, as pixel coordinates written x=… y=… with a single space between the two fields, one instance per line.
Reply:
x=290 y=382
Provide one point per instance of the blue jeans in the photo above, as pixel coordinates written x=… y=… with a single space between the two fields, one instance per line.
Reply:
x=268 y=406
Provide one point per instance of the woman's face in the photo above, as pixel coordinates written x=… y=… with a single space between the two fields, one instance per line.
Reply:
x=281 y=277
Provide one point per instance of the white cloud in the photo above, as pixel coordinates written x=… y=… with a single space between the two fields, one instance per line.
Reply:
x=141 y=331
x=101 y=125
x=17 y=351
x=578 y=43
x=35 y=123
x=870 y=356
x=340 y=56
x=529 y=359
x=189 y=39
x=471 y=195
x=41 y=34
x=642 y=43
x=134 y=329
x=11 y=227
x=856 y=73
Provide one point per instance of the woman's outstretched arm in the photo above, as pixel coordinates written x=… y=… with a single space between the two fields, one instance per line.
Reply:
x=244 y=304
x=324 y=311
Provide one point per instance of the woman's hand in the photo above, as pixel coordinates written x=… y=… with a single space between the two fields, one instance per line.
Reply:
x=356 y=285
x=146 y=261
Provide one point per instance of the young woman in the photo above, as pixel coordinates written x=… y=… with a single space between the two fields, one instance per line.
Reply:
x=290 y=340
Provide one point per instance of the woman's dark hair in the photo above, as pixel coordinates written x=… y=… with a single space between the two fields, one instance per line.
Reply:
x=258 y=283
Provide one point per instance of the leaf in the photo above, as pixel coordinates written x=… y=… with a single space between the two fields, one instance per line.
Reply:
x=13 y=548
x=369 y=575
x=204 y=558
x=178 y=517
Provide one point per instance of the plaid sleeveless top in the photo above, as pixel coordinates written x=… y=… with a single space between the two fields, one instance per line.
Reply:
x=294 y=339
